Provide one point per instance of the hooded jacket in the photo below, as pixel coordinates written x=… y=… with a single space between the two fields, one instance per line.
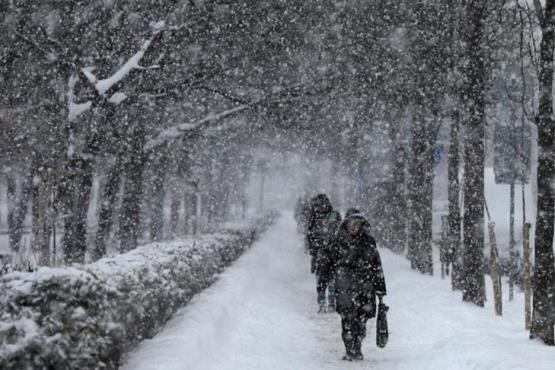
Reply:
x=322 y=226
x=357 y=268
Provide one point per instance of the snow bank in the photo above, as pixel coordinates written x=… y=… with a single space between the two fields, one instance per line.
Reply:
x=88 y=316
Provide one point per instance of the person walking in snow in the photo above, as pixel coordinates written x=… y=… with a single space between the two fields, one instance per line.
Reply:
x=358 y=273
x=322 y=225
x=302 y=210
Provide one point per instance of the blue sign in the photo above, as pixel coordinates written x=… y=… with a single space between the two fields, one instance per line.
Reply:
x=437 y=154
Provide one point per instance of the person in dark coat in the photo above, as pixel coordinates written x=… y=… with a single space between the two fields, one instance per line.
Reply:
x=302 y=211
x=358 y=273
x=322 y=225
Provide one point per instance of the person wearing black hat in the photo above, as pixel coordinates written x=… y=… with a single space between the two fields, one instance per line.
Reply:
x=359 y=277
x=322 y=225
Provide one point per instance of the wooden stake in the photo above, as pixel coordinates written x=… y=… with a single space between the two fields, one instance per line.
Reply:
x=495 y=276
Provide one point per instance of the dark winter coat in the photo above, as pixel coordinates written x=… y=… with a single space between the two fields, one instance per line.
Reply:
x=357 y=268
x=302 y=212
x=322 y=226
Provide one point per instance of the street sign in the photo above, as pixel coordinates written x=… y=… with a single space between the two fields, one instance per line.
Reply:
x=437 y=154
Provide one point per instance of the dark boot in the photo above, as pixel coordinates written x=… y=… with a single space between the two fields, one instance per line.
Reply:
x=347 y=357
x=359 y=332
x=331 y=305
x=349 y=335
x=350 y=353
x=321 y=290
x=350 y=346
x=348 y=340
x=357 y=349
x=331 y=296
x=321 y=302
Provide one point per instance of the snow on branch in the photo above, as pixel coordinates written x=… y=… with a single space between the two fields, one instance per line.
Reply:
x=102 y=86
x=174 y=132
x=280 y=95
x=75 y=109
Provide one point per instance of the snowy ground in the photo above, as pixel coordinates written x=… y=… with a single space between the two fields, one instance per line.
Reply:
x=261 y=314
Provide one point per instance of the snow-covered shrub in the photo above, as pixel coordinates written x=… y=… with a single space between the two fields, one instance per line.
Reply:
x=88 y=316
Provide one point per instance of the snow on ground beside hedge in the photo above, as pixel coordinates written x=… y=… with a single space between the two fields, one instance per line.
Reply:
x=262 y=314
x=88 y=316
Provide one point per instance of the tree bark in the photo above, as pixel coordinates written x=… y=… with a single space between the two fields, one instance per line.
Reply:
x=188 y=200
x=544 y=271
x=454 y=218
x=17 y=213
x=174 y=216
x=421 y=188
x=43 y=217
x=79 y=185
x=131 y=203
x=157 y=200
x=473 y=187
x=398 y=225
x=11 y=196
x=105 y=215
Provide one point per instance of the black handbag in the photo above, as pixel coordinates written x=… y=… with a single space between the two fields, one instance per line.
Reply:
x=382 y=333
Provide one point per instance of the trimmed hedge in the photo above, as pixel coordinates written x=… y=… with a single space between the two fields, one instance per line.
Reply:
x=87 y=317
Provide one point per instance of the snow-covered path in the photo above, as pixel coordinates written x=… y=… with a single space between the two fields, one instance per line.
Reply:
x=261 y=314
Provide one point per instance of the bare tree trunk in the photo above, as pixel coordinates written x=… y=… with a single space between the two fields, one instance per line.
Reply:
x=544 y=272
x=196 y=208
x=11 y=195
x=78 y=191
x=105 y=215
x=18 y=211
x=42 y=224
x=473 y=187
x=421 y=188
x=473 y=219
x=527 y=278
x=174 y=216
x=335 y=175
x=188 y=216
x=77 y=187
x=398 y=227
x=495 y=274
x=131 y=203
x=157 y=201
x=454 y=206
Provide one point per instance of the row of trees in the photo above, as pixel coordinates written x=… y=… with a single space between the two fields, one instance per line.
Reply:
x=446 y=56
x=102 y=90
x=163 y=100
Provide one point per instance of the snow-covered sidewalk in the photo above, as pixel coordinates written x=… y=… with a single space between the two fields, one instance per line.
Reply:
x=261 y=314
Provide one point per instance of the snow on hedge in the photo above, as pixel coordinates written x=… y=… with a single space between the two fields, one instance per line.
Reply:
x=88 y=316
